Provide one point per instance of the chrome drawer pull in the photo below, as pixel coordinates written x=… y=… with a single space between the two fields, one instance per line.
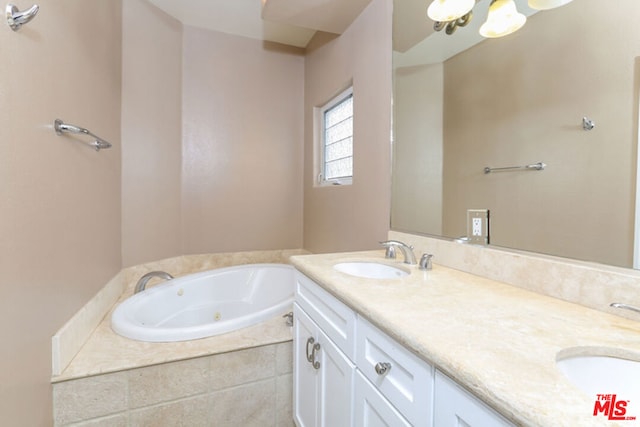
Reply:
x=314 y=362
x=382 y=368
x=311 y=358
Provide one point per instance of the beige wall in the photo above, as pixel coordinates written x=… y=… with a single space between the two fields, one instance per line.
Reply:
x=242 y=150
x=151 y=134
x=520 y=100
x=59 y=199
x=338 y=218
x=212 y=130
x=212 y=159
x=417 y=149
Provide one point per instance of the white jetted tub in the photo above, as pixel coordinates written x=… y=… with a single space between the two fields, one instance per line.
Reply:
x=205 y=304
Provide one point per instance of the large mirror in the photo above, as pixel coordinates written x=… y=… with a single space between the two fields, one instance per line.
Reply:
x=517 y=101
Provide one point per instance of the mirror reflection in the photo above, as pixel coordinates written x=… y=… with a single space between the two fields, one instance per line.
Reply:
x=516 y=101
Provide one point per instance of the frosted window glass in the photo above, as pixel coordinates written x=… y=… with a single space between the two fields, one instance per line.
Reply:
x=338 y=140
x=340 y=112
x=340 y=168
x=339 y=150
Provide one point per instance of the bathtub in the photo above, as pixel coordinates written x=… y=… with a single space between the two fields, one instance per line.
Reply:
x=205 y=304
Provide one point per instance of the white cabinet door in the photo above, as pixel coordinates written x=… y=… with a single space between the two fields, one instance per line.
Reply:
x=323 y=377
x=336 y=385
x=455 y=407
x=305 y=378
x=372 y=409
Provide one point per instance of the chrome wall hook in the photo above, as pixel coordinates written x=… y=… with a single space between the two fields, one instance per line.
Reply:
x=17 y=19
x=587 y=123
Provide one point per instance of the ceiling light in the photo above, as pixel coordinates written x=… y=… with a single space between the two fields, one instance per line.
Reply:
x=449 y=10
x=503 y=19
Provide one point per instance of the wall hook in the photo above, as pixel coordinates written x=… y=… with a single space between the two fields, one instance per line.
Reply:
x=16 y=19
x=587 y=123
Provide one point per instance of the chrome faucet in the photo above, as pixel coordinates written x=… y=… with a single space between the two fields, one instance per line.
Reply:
x=142 y=283
x=624 y=306
x=407 y=251
x=425 y=262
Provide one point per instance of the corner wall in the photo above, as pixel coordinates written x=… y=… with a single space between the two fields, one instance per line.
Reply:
x=212 y=132
x=151 y=133
x=242 y=144
x=352 y=217
x=59 y=198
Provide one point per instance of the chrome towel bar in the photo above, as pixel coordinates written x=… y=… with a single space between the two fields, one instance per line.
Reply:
x=61 y=127
x=536 y=166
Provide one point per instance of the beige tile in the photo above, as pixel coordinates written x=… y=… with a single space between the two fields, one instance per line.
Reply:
x=241 y=367
x=191 y=412
x=251 y=405
x=284 y=358
x=120 y=420
x=169 y=381
x=284 y=400
x=89 y=398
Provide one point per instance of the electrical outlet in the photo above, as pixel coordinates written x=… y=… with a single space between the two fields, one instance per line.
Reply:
x=478 y=226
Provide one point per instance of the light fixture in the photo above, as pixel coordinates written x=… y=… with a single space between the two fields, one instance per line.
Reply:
x=503 y=19
x=449 y=10
x=547 y=4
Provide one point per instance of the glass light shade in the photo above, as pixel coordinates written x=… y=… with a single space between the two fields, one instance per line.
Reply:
x=449 y=10
x=503 y=19
x=547 y=4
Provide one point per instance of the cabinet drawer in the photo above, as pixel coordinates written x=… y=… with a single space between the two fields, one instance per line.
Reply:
x=408 y=380
x=336 y=320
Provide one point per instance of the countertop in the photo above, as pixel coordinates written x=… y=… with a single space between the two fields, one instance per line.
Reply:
x=498 y=341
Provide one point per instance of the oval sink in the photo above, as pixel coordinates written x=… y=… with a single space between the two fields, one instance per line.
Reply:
x=370 y=270
x=603 y=375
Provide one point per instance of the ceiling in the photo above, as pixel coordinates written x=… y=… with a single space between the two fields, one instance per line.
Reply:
x=291 y=22
x=294 y=22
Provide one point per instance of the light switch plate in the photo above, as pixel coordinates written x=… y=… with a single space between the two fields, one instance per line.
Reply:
x=478 y=226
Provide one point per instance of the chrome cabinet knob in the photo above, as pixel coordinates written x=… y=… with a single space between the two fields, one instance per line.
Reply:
x=382 y=368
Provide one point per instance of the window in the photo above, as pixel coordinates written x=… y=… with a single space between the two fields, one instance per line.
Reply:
x=336 y=147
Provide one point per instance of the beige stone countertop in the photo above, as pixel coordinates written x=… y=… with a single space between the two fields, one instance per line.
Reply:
x=498 y=341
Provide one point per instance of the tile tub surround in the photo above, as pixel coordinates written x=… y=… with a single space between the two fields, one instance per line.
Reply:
x=250 y=387
x=85 y=345
x=497 y=340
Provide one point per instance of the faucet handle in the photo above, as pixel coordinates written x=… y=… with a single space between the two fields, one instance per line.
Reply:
x=425 y=262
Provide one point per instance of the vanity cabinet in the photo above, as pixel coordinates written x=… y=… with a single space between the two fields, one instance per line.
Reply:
x=349 y=373
x=454 y=407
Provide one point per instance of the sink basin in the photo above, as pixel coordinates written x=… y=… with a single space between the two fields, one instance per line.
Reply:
x=603 y=375
x=371 y=270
